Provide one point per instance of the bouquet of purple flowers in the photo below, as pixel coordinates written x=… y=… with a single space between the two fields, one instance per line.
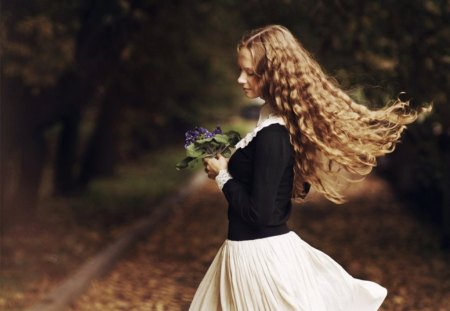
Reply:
x=200 y=143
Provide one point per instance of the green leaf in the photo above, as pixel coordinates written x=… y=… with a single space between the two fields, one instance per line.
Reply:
x=226 y=153
x=212 y=144
x=201 y=141
x=193 y=151
x=193 y=163
x=221 y=138
x=184 y=163
x=234 y=137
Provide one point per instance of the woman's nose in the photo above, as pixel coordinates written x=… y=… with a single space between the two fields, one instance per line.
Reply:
x=241 y=79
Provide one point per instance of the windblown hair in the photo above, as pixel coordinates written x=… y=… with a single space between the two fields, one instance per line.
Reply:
x=333 y=136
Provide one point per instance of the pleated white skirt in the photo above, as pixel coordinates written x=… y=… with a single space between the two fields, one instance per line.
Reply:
x=279 y=273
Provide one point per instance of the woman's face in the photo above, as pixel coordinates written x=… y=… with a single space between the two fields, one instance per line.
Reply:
x=247 y=77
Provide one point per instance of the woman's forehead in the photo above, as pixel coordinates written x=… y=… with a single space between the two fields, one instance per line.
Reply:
x=245 y=58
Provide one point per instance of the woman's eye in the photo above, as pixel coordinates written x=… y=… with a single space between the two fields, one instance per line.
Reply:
x=250 y=73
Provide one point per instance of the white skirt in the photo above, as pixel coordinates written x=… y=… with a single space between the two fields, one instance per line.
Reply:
x=279 y=273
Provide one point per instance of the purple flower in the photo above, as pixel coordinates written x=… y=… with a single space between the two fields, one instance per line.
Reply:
x=218 y=130
x=198 y=133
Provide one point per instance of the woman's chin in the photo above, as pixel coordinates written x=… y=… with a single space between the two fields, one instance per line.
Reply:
x=250 y=95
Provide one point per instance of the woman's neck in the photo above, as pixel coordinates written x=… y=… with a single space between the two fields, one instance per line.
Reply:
x=265 y=112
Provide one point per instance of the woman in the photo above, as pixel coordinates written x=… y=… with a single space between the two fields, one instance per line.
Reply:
x=308 y=133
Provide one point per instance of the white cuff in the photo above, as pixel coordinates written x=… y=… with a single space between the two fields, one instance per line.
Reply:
x=222 y=178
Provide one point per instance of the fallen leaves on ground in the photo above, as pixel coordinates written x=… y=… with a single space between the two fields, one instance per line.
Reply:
x=373 y=237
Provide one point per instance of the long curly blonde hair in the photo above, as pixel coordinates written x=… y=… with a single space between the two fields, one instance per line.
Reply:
x=334 y=138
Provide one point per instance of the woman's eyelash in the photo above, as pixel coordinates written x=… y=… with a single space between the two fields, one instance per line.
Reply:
x=250 y=73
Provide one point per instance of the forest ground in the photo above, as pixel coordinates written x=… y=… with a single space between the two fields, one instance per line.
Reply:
x=373 y=237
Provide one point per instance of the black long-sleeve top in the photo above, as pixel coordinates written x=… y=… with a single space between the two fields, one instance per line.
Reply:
x=259 y=194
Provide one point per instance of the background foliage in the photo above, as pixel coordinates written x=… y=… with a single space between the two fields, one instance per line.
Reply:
x=113 y=80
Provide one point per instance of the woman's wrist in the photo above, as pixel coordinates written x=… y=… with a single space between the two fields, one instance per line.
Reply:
x=223 y=177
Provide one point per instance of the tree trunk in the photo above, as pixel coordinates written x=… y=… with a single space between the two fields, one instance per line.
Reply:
x=445 y=149
x=102 y=150
x=63 y=181
x=31 y=168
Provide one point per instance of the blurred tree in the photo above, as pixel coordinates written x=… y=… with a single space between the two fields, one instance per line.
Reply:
x=136 y=60
x=180 y=69
x=106 y=29
x=37 y=73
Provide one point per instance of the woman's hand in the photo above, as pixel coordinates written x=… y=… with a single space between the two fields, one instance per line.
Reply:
x=214 y=165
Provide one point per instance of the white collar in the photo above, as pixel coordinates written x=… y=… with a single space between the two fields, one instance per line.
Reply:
x=267 y=116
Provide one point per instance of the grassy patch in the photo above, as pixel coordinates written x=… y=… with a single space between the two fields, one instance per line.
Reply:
x=133 y=191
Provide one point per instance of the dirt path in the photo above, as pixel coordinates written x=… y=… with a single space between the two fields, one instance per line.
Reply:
x=372 y=237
